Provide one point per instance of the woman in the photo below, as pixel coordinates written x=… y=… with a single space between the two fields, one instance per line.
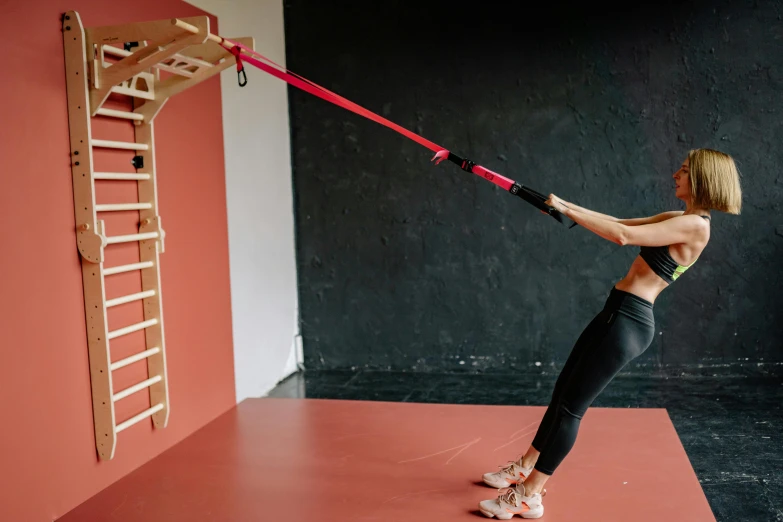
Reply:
x=670 y=243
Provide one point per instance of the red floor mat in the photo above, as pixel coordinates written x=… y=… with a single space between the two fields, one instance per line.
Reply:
x=322 y=460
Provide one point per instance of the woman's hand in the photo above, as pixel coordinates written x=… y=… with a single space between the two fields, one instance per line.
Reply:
x=556 y=203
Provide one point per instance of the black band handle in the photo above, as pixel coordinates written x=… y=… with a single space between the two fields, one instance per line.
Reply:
x=538 y=200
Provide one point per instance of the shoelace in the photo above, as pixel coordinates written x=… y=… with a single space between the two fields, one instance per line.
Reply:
x=509 y=496
x=509 y=468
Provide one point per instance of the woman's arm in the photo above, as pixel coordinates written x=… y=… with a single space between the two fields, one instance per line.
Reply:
x=663 y=216
x=678 y=229
x=607 y=229
x=583 y=210
x=657 y=218
x=681 y=229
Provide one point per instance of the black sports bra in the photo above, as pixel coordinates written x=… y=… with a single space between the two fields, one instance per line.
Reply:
x=660 y=261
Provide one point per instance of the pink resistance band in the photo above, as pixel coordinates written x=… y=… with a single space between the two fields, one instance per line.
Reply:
x=268 y=66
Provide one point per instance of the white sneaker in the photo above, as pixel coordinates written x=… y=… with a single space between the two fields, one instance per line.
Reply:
x=508 y=476
x=512 y=501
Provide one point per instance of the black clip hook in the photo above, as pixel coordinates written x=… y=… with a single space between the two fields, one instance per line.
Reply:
x=240 y=74
x=237 y=52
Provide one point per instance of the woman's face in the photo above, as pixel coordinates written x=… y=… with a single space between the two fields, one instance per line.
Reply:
x=682 y=182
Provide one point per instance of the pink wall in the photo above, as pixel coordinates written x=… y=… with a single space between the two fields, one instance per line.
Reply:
x=47 y=448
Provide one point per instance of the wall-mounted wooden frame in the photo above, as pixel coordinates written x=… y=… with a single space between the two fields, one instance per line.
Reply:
x=185 y=49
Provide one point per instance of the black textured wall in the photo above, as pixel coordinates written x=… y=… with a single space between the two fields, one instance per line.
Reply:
x=404 y=265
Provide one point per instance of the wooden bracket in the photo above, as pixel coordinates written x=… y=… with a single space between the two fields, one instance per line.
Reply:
x=207 y=60
x=164 y=41
x=185 y=49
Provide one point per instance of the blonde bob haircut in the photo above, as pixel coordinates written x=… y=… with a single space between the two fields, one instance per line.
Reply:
x=715 y=182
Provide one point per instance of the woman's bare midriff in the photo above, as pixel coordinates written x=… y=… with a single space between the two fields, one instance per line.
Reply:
x=642 y=281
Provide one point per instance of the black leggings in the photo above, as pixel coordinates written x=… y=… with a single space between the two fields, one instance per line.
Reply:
x=622 y=331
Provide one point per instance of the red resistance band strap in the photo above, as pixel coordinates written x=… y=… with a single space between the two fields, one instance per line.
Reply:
x=531 y=196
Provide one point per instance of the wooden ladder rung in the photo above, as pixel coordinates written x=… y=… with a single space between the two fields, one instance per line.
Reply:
x=120 y=176
x=113 y=240
x=129 y=298
x=120 y=114
x=133 y=328
x=116 y=51
x=136 y=387
x=119 y=145
x=137 y=418
x=127 y=268
x=115 y=207
x=134 y=358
